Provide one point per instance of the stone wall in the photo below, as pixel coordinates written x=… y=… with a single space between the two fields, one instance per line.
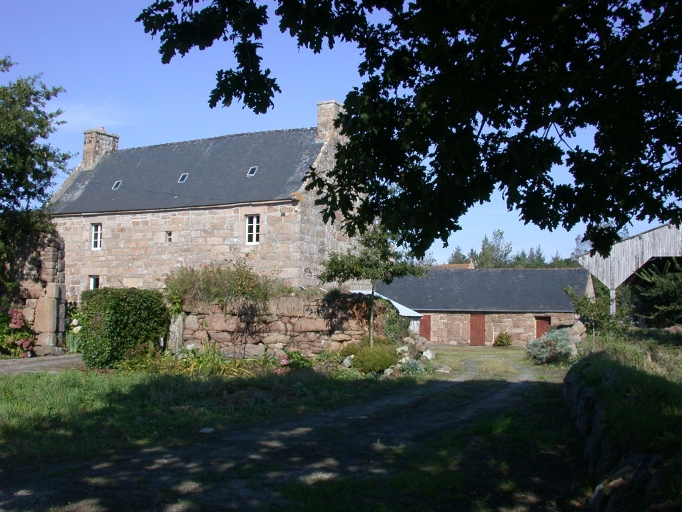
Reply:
x=624 y=481
x=454 y=328
x=140 y=249
x=41 y=291
x=295 y=323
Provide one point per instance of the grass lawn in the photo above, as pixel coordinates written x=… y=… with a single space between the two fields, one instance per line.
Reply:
x=75 y=415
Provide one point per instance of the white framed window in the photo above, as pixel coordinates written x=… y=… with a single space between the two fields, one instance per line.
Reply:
x=93 y=282
x=96 y=239
x=252 y=229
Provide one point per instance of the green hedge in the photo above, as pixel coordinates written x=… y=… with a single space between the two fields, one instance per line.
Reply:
x=116 y=320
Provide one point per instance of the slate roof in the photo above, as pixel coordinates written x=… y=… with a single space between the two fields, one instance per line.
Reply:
x=488 y=290
x=217 y=170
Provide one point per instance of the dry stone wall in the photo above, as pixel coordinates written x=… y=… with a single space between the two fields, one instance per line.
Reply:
x=41 y=292
x=624 y=481
x=309 y=326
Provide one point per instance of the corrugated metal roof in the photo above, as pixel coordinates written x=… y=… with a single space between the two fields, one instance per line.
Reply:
x=216 y=170
x=488 y=290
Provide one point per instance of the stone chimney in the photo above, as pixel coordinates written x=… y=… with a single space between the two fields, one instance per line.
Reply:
x=97 y=143
x=327 y=111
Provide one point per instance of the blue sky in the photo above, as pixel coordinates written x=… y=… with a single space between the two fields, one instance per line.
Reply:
x=113 y=77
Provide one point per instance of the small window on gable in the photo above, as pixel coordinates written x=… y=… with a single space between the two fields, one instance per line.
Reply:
x=183 y=177
x=252 y=229
x=117 y=184
x=169 y=237
x=252 y=171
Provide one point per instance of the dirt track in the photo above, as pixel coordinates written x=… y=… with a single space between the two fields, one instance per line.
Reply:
x=245 y=469
x=41 y=364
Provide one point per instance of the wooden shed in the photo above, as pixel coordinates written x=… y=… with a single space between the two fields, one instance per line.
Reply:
x=631 y=254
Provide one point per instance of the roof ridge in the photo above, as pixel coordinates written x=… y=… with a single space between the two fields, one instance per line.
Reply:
x=214 y=138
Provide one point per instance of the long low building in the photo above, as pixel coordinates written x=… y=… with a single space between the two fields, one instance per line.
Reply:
x=471 y=307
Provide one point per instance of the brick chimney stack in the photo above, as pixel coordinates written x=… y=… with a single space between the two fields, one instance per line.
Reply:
x=327 y=111
x=97 y=143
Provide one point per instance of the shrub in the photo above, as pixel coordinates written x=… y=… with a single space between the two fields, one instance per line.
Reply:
x=235 y=286
x=296 y=360
x=395 y=326
x=378 y=341
x=350 y=350
x=374 y=359
x=413 y=367
x=553 y=347
x=353 y=348
x=502 y=340
x=116 y=320
x=16 y=339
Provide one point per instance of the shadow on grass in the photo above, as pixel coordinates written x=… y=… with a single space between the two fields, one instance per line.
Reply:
x=474 y=445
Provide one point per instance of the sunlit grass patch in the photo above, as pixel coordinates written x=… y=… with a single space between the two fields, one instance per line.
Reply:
x=495 y=367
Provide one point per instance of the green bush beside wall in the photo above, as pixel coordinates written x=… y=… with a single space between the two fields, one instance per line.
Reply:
x=116 y=320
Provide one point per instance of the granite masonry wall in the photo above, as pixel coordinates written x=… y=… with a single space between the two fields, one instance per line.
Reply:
x=41 y=292
x=140 y=248
x=454 y=328
x=293 y=323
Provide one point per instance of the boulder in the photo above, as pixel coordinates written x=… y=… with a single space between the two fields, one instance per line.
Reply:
x=428 y=355
x=348 y=361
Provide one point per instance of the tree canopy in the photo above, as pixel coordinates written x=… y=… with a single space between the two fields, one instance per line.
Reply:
x=497 y=253
x=375 y=259
x=462 y=98
x=28 y=165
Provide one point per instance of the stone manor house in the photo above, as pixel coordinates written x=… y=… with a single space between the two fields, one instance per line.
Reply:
x=129 y=217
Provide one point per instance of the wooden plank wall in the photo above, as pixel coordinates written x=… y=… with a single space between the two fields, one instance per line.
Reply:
x=631 y=254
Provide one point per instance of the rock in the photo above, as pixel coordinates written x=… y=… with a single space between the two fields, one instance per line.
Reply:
x=441 y=368
x=421 y=345
x=254 y=350
x=348 y=361
x=428 y=355
x=402 y=350
x=409 y=341
x=388 y=372
x=578 y=328
x=405 y=359
x=47 y=339
x=207 y=430
x=57 y=351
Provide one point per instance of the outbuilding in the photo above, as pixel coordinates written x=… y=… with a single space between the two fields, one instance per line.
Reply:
x=472 y=307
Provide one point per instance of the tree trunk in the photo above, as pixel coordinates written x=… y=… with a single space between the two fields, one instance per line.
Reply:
x=371 y=318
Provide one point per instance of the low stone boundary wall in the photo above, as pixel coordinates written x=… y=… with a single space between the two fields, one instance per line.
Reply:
x=294 y=323
x=626 y=481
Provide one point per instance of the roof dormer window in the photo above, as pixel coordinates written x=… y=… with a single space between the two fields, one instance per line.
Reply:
x=252 y=171
x=183 y=177
x=117 y=184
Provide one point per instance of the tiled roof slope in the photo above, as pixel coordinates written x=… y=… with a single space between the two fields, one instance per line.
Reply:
x=217 y=170
x=488 y=290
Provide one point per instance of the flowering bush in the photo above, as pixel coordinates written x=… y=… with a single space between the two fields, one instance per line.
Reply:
x=16 y=339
